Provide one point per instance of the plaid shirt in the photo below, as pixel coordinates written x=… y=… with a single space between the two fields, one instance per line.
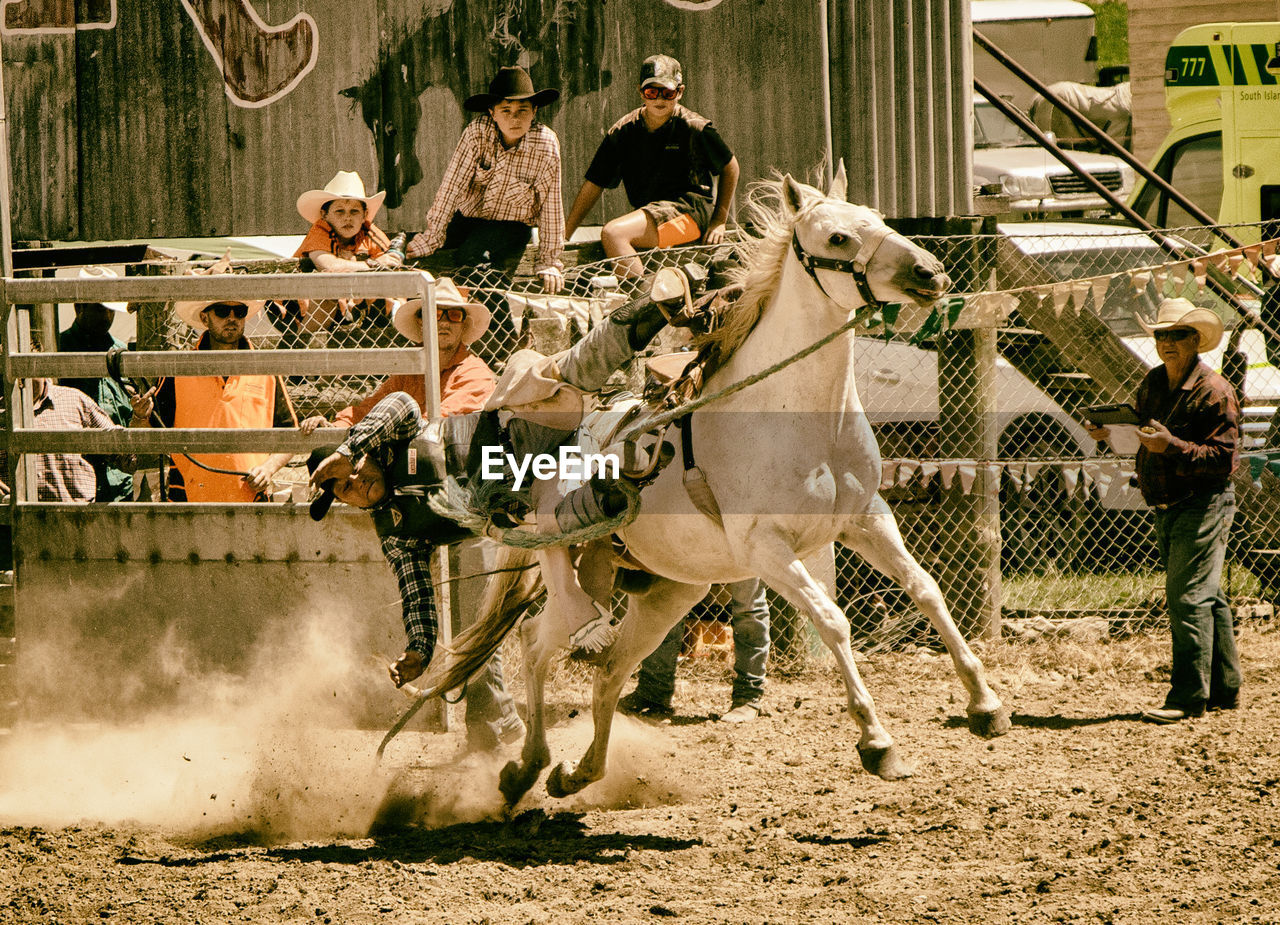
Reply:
x=1204 y=418
x=486 y=180
x=69 y=476
x=381 y=434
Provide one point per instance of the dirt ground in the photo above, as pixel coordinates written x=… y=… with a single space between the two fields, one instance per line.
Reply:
x=1080 y=814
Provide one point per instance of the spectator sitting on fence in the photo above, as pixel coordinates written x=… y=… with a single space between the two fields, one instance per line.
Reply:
x=1189 y=450
x=665 y=156
x=236 y=401
x=91 y=333
x=73 y=476
x=656 y=686
x=342 y=239
x=465 y=380
x=503 y=179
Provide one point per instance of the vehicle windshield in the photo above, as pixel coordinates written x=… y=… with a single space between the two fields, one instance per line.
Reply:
x=993 y=129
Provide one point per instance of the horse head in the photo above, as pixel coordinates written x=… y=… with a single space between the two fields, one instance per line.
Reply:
x=853 y=257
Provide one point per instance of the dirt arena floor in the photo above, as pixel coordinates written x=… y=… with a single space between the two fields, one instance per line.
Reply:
x=1080 y=814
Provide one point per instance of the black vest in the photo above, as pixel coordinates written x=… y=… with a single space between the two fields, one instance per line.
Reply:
x=414 y=475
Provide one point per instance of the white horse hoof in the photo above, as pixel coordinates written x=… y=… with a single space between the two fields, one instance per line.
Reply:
x=990 y=725
x=885 y=762
x=558 y=784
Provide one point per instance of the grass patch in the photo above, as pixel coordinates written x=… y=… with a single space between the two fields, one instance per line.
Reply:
x=1112 y=30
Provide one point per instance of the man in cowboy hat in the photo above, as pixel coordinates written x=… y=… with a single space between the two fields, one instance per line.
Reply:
x=465 y=380
x=665 y=156
x=1188 y=452
x=503 y=179
x=249 y=402
x=91 y=333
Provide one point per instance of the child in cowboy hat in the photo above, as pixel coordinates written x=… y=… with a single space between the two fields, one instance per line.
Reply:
x=503 y=179
x=342 y=239
x=465 y=380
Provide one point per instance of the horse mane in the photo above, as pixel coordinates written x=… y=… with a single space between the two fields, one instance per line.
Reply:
x=763 y=254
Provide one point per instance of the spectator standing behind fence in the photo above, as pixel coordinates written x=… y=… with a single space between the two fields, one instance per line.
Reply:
x=342 y=239
x=91 y=333
x=236 y=401
x=465 y=380
x=71 y=476
x=503 y=179
x=665 y=157
x=749 y=608
x=1184 y=466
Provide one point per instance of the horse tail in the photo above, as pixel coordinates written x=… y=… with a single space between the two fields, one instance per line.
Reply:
x=508 y=594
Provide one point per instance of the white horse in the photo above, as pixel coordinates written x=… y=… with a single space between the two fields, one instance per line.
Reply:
x=794 y=467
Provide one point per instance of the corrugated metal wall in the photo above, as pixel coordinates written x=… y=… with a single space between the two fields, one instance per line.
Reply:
x=902 y=74
x=121 y=125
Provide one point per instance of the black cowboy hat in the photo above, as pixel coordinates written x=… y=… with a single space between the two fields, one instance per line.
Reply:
x=511 y=83
x=321 y=503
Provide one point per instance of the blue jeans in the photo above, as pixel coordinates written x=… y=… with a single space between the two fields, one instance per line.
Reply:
x=1192 y=539
x=750 y=611
x=490 y=711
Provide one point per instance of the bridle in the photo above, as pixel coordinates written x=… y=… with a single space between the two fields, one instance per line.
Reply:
x=857 y=267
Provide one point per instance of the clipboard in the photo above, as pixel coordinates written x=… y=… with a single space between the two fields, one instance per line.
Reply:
x=1106 y=415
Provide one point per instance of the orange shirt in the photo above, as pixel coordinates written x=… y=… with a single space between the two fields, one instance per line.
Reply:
x=370 y=241
x=465 y=384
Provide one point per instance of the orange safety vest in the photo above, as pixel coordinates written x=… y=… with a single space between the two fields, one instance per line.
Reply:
x=212 y=401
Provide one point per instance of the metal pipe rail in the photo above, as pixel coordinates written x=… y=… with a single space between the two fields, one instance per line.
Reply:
x=145 y=441
x=154 y=363
x=233 y=286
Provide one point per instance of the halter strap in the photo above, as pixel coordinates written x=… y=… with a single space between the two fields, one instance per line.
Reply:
x=857 y=267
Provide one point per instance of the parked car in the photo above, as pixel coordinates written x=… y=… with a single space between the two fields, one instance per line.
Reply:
x=1007 y=161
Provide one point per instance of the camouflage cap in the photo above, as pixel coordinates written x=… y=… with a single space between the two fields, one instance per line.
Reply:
x=661 y=70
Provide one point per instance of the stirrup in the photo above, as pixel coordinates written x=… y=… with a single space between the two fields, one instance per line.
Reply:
x=597 y=634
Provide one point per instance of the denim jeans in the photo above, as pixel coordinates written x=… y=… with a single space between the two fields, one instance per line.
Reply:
x=750 y=612
x=1192 y=539
x=490 y=711
x=493 y=249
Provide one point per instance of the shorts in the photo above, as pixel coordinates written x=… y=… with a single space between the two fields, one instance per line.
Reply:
x=679 y=221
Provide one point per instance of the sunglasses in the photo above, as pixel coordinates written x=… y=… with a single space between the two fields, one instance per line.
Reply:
x=454 y=314
x=1173 y=334
x=223 y=310
x=653 y=93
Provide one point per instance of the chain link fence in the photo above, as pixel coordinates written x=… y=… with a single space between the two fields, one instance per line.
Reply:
x=1075 y=537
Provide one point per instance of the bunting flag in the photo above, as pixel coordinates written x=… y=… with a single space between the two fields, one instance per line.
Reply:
x=1099 y=285
x=1200 y=269
x=1079 y=292
x=948 y=470
x=1061 y=292
x=1233 y=263
x=1179 y=275
x=1159 y=277
x=1139 y=279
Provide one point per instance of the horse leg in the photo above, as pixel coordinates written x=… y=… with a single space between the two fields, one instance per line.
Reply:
x=516 y=779
x=787 y=575
x=876 y=538
x=649 y=618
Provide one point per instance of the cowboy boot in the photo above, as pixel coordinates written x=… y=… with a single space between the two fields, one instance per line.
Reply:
x=258 y=62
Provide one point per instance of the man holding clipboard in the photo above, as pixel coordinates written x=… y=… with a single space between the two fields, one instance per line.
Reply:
x=1186 y=421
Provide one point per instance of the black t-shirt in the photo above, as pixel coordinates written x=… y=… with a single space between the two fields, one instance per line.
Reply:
x=678 y=159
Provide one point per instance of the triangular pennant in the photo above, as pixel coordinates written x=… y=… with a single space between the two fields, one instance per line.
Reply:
x=948 y=470
x=1158 y=277
x=1218 y=260
x=1200 y=269
x=1079 y=292
x=928 y=470
x=1033 y=470
x=1252 y=253
x=1099 y=285
x=888 y=474
x=1139 y=279
x=1061 y=292
x=1234 y=259
x=1070 y=477
x=1269 y=247
x=906 y=472
x=968 y=473
x=1016 y=470
x=1179 y=273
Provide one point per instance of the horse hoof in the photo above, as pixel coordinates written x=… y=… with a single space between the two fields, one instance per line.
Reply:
x=885 y=763
x=514 y=783
x=557 y=785
x=990 y=725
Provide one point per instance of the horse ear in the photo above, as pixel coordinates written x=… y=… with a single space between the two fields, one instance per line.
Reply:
x=839 y=183
x=792 y=194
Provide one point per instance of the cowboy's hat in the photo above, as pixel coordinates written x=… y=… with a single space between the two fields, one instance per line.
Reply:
x=1183 y=313
x=102 y=273
x=408 y=316
x=346 y=184
x=510 y=83
x=189 y=312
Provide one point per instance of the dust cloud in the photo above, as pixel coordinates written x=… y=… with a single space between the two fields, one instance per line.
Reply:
x=269 y=753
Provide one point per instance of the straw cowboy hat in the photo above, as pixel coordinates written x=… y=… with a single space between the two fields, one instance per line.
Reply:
x=189 y=312
x=408 y=316
x=511 y=83
x=346 y=184
x=1183 y=313
x=103 y=273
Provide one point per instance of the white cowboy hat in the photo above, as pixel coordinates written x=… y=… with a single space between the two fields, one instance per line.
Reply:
x=189 y=312
x=1183 y=313
x=103 y=273
x=408 y=316
x=346 y=184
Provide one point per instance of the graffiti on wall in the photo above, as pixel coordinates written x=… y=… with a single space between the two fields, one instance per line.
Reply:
x=560 y=42
x=259 y=63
